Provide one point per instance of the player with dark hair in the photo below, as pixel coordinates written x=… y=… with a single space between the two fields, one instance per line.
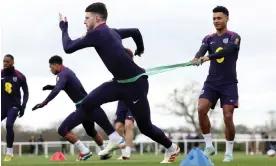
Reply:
x=11 y=82
x=124 y=124
x=69 y=82
x=108 y=45
x=221 y=83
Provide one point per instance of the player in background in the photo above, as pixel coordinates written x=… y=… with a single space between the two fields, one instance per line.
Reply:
x=109 y=47
x=11 y=107
x=221 y=83
x=124 y=125
x=69 y=82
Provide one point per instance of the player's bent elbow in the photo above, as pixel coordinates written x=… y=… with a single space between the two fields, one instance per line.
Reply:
x=134 y=32
x=68 y=51
x=137 y=31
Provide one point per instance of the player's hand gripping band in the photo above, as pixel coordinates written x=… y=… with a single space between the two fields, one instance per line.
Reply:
x=160 y=69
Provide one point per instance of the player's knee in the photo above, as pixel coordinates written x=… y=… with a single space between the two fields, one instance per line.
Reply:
x=9 y=126
x=202 y=110
x=204 y=106
x=62 y=131
x=129 y=125
x=119 y=127
x=228 y=117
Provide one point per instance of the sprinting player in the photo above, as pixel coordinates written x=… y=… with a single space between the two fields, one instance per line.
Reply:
x=221 y=83
x=108 y=45
x=69 y=82
x=124 y=125
x=11 y=82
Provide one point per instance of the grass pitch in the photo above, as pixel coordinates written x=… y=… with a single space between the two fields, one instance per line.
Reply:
x=138 y=160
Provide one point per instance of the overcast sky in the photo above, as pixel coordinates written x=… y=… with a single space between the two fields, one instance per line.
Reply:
x=172 y=32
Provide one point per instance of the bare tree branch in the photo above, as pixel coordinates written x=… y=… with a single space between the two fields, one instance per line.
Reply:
x=184 y=103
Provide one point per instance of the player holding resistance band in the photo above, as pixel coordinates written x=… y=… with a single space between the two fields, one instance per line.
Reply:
x=108 y=44
x=221 y=83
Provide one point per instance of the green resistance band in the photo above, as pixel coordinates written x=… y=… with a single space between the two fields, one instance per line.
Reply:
x=77 y=103
x=156 y=70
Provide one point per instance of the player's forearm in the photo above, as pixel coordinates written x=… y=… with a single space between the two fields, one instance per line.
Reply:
x=201 y=52
x=67 y=42
x=26 y=95
x=52 y=95
x=198 y=55
x=138 y=39
x=52 y=87
x=227 y=51
x=71 y=46
x=135 y=34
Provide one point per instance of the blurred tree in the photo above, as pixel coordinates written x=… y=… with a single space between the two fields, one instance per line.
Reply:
x=183 y=102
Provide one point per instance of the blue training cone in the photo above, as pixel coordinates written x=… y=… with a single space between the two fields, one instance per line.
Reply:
x=196 y=157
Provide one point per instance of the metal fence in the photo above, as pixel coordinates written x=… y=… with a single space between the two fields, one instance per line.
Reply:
x=46 y=148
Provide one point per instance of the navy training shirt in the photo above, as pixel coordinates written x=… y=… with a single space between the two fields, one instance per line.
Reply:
x=108 y=44
x=11 y=82
x=222 y=69
x=69 y=82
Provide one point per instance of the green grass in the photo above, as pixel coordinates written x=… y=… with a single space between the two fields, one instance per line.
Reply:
x=137 y=160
